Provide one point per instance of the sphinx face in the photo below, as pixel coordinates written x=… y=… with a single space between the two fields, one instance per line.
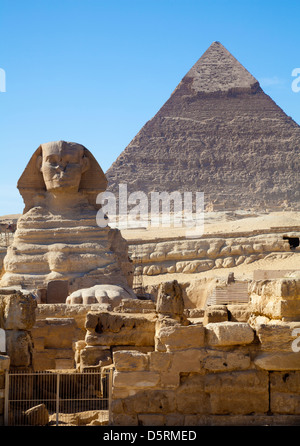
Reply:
x=62 y=166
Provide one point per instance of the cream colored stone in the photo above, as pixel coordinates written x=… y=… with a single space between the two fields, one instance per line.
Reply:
x=228 y=333
x=277 y=336
x=18 y=310
x=215 y=313
x=106 y=328
x=139 y=379
x=160 y=361
x=221 y=361
x=19 y=348
x=179 y=337
x=278 y=361
x=240 y=392
x=130 y=360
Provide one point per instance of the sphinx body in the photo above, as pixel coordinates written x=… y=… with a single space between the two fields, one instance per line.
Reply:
x=57 y=237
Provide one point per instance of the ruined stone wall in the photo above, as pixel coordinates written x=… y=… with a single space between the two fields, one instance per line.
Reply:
x=214 y=251
x=236 y=365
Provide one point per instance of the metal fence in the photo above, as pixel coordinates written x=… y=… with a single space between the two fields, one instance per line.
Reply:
x=57 y=398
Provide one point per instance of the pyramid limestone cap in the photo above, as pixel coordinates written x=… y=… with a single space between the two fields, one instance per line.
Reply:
x=218 y=70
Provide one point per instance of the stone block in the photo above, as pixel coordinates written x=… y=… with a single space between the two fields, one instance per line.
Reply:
x=277 y=336
x=37 y=415
x=151 y=401
x=179 y=337
x=187 y=361
x=285 y=393
x=43 y=360
x=19 y=347
x=57 y=291
x=238 y=313
x=191 y=397
x=18 y=311
x=124 y=419
x=113 y=329
x=57 y=332
x=159 y=361
x=125 y=360
x=239 y=392
x=278 y=361
x=215 y=313
x=95 y=356
x=151 y=420
x=136 y=380
x=222 y=361
x=228 y=333
x=170 y=379
x=135 y=306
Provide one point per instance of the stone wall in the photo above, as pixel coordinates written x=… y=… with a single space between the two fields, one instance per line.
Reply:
x=210 y=252
x=235 y=365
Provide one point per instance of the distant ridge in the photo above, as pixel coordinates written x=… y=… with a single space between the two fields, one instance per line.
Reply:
x=220 y=134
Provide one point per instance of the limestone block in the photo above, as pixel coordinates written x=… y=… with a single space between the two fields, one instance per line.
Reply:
x=278 y=361
x=187 y=361
x=215 y=313
x=18 y=310
x=222 y=361
x=238 y=313
x=160 y=361
x=228 y=333
x=126 y=360
x=151 y=420
x=277 y=336
x=285 y=392
x=151 y=401
x=191 y=396
x=169 y=379
x=94 y=356
x=37 y=415
x=169 y=299
x=136 y=306
x=19 y=347
x=124 y=420
x=179 y=337
x=111 y=329
x=57 y=332
x=239 y=392
x=43 y=360
x=136 y=380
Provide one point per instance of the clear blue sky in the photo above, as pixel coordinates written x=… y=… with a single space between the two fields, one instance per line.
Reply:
x=95 y=71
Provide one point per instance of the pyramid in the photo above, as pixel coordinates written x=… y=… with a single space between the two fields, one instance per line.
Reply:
x=220 y=134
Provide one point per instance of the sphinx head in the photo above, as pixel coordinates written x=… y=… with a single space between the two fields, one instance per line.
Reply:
x=62 y=165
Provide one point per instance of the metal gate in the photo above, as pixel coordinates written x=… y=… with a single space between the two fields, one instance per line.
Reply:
x=57 y=398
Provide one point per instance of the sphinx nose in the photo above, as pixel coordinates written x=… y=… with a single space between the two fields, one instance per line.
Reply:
x=61 y=165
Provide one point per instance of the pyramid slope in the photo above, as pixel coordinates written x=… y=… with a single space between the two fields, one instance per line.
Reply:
x=231 y=142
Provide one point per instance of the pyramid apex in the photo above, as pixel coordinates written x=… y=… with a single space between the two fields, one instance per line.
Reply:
x=218 y=70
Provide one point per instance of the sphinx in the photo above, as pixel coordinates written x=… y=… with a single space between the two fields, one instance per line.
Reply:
x=58 y=238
